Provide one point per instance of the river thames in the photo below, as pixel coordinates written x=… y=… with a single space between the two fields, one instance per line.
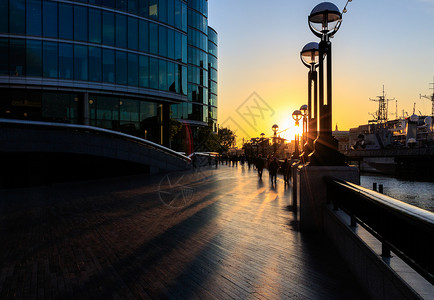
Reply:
x=420 y=194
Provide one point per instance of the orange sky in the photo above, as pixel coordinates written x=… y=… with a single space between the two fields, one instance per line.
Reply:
x=259 y=48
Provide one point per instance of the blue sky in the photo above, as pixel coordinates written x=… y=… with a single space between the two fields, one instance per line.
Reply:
x=385 y=42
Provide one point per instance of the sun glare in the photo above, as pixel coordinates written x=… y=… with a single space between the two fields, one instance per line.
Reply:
x=288 y=130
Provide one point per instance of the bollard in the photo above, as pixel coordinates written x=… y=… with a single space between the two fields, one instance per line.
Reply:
x=374 y=186
x=380 y=188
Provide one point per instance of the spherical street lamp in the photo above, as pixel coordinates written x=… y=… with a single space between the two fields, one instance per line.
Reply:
x=309 y=56
x=296 y=115
x=324 y=21
x=275 y=128
x=304 y=114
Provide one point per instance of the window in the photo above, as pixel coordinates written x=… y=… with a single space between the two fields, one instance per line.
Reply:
x=162 y=45
x=94 y=25
x=184 y=16
x=121 y=67
x=178 y=14
x=95 y=64
x=143 y=36
x=65 y=21
x=80 y=23
x=121 y=31
x=184 y=48
x=153 y=73
x=4 y=16
x=184 y=81
x=177 y=79
x=65 y=61
x=162 y=11
x=143 y=71
x=144 y=8
x=153 y=38
x=171 y=44
x=33 y=17
x=108 y=28
x=80 y=62
x=59 y=107
x=133 y=33
x=171 y=12
x=17 y=20
x=4 y=56
x=121 y=4
x=162 y=82
x=133 y=69
x=171 y=77
x=153 y=9
x=49 y=58
x=108 y=65
x=34 y=58
x=17 y=57
x=178 y=46
x=133 y=6
x=49 y=25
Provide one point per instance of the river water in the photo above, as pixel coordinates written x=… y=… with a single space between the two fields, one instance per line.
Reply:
x=420 y=194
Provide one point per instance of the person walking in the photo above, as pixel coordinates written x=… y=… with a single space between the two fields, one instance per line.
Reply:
x=260 y=166
x=285 y=170
x=272 y=169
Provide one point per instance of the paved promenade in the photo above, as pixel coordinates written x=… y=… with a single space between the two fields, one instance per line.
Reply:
x=213 y=234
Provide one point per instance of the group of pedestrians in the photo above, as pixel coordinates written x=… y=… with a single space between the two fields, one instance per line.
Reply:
x=273 y=167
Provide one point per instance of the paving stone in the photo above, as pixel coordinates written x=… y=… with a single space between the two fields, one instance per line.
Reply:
x=214 y=233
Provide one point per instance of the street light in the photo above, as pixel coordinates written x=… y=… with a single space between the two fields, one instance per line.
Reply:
x=324 y=21
x=296 y=115
x=275 y=128
x=310 y=56
x=304 y=114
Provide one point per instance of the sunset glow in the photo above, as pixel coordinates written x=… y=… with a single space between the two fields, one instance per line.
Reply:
x=266 y=60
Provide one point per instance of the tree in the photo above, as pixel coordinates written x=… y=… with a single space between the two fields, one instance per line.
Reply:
x=212 y=142
x=226 y=138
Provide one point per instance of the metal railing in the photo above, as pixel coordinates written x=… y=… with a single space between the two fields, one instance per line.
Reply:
x=91 y=129
x=406 y=230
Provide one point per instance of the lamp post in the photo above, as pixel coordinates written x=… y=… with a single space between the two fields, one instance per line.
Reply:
x=324 y=21
x=275 y=128
x=309 y=56
x=297 y=115
x=304 y=114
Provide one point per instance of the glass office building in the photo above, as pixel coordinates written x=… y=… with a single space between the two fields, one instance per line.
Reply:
x=115 y=64
x=212 y=78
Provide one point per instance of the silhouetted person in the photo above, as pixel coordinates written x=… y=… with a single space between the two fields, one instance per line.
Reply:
x=285 y=170
x=260 y=166
x=272 y=169
x=249 y=161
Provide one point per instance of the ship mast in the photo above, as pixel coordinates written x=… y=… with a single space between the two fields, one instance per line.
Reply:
x=431 y=97
x=381 y=116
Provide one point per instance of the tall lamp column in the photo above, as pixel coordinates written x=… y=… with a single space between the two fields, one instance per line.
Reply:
x=309 y=56
x=324 y=21
x=296 y=115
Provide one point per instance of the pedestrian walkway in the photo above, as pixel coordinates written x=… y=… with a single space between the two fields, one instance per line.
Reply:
x=211 y=234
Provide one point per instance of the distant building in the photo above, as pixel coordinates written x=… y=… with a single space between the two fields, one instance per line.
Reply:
x=124 y=65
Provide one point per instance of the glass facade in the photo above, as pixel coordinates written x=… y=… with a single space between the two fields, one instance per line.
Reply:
x=197 y=59
x=154 y=52
x=212 y=78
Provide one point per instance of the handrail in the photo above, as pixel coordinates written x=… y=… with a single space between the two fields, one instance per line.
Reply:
x=97 y=130
x=405 y=229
